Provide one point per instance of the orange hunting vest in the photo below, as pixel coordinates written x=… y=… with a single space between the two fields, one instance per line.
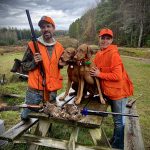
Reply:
x=106 y=61
x=50 y=63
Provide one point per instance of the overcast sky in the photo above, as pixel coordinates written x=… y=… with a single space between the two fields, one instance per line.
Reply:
x=63 y=12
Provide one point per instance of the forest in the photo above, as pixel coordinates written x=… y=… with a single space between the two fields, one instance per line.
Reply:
x=14 y=36
x=129 y=21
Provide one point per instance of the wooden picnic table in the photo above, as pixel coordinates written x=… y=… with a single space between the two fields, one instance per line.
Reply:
x=92 y=123
x=18 y=134
x=41 y=124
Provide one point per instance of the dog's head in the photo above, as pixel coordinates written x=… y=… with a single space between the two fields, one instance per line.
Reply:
x=83 y=52
x=67 y=56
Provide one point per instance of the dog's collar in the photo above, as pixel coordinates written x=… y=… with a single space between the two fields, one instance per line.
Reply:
x=71 y=66
x=84 y=63
x=72 y=63
x=87 y=63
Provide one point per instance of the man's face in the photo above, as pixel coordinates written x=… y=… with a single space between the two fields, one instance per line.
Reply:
x=105 y=41
x=47 y=30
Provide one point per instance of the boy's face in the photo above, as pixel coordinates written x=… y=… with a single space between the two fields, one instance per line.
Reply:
x=105 y=41
x=47 y=30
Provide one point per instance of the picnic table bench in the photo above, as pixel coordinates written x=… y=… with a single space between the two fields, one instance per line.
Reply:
x=18 y=129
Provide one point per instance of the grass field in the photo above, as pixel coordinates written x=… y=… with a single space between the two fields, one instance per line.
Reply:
x=138 y=70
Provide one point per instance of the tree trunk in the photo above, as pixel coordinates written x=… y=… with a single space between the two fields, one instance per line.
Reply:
x=131 y=38
x=141 y=33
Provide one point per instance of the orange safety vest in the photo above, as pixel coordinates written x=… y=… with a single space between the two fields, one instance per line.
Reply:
x=53 y=76
x=115 y=82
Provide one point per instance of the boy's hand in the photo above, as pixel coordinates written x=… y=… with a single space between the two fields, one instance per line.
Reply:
x=94 y=72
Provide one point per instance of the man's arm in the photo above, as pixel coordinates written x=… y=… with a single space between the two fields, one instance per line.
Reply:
x=28 y=62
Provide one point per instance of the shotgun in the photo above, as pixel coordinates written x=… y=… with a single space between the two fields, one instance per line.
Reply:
x=85 y=112
x=66 y=102
x=18 y=107
x=40 y=64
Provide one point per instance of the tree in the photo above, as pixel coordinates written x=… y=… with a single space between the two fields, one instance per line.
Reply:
x=129 y=21
x=135 y=17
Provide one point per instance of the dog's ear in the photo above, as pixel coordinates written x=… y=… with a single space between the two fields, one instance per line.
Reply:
x=89 y=52
x=73 y=54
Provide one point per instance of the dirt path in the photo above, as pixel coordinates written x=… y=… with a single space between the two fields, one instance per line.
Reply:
x=138 y=58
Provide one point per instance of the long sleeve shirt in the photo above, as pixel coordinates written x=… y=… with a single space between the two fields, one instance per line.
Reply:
x=114 y=80
x=28 y=62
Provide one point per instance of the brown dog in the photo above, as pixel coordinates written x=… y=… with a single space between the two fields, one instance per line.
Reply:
x=67 y=58
x=84 y=58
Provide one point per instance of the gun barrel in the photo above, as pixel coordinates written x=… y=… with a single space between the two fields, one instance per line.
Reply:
x=104 y=113
x=66 y=102
x=9 y=108
x=18 y=107
x=31 y=25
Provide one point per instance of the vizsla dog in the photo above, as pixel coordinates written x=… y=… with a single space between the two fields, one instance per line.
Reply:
x=67 y=58
x=84 y=59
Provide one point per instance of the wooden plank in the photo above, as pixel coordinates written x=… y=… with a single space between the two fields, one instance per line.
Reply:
x=12 y=95
x=73 y=139
x=96 y=135
x=18 y=129
x=85 y=122
x=92 y=121
x=54 y=143
x=133 y=137
x=41 y=130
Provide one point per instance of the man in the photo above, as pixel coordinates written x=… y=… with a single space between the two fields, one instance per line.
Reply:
x=49 y=53
x=115 y=83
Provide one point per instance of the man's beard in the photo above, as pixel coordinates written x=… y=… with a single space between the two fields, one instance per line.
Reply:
x=47 y=35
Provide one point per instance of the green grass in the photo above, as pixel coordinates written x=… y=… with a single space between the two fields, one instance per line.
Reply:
x=7 y=61
x=135 y=52
x=139 y=71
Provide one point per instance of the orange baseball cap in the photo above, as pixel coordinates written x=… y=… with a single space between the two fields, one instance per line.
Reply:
x=106 y=31
x=46 y=19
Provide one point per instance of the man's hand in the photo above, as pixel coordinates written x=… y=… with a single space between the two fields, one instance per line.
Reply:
x=94 y=72
x=37 y=57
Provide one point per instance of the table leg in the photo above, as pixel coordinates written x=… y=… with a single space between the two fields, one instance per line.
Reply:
x=41 y=130
x=73 y=139
x=96 y=135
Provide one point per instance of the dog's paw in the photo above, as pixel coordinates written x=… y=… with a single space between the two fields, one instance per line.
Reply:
x=62 y=98
x=102 y=101
x=77 y=101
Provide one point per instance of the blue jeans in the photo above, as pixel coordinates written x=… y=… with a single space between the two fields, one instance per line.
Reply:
x=118 y=106
x=34 y=97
